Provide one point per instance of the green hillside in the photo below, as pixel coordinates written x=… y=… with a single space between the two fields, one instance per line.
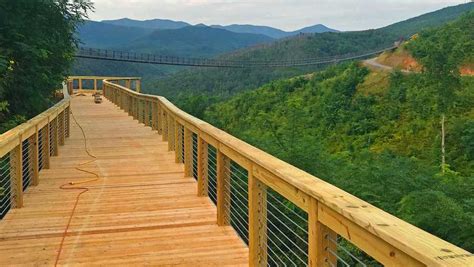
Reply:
x=377 y=135
x=194 y=41
x=222 y=83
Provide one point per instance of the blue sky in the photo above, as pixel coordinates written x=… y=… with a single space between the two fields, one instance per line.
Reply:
x=283 y=14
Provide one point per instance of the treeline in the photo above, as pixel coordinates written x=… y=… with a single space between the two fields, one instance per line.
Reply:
x=183 y=87
x=36 y=47
x=378 y=135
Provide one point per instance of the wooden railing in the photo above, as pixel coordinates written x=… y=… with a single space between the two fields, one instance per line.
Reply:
x=87 y=84
x=26 y=150
x=262 y=197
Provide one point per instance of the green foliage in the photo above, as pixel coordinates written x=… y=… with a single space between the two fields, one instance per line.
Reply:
x=380 y=146
x=36 y=46
x=226 y=83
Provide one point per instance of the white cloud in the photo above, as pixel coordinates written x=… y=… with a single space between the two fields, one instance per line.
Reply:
x=284 y=14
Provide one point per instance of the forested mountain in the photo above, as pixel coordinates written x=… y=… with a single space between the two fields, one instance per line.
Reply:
x=222 y=83
x=378 y=135
x=195 y=41
x=155 y=24
x=273 y=32
x=103 y=35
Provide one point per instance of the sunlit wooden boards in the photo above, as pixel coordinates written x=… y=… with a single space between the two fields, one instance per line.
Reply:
x=142 y=211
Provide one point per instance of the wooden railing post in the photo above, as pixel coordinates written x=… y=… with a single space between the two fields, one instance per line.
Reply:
x=61 y=129
x=146 y=112
x=258 y=255
x=128 y=83
x=68 y=121
x=160 y=120
x=16 y=175
x=178 y=145
x=55 y=137
x=171 y=132
x=188 y=152
x=34 y=146
x=80 y=85
x=46 y=145
x=203 y=159
x=138 y=85
x=223 y=189
x=319 y=239
x=154 y=115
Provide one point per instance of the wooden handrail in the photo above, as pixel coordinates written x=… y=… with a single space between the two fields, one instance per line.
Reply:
x=53 y=123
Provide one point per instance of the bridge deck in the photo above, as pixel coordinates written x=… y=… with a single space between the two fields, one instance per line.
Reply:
x=141 y=211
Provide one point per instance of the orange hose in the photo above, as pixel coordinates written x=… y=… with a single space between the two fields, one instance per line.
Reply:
x=69 y=186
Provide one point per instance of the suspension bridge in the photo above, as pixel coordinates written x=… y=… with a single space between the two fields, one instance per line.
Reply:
x=126 y=56
x=134 y=180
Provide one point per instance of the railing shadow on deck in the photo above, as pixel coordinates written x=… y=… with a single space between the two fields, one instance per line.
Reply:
x=285 y=215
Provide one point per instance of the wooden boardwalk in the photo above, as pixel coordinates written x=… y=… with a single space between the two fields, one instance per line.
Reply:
x=142 y=210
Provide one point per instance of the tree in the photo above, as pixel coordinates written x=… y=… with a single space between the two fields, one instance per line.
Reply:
x=37 y=44
x=441 y=52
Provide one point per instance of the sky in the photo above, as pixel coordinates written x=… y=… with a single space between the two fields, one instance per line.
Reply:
x=284 y=14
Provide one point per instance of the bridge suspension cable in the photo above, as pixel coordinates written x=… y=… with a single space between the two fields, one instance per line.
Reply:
x=124 y=56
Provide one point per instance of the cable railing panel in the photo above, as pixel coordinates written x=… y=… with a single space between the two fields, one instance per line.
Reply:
x=212 y=173
x=195 y=155
x=5 y=185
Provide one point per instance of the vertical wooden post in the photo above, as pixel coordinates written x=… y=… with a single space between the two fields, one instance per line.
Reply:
x=258 y=255
x=80 y=85
x=171 y=126
x=61 y=128
x=34 y=146
x=128 y=84
x=320 y=239
x=177 y=142
x=146 y=112
x=16 y=175
x=138 y=85
x=55 y=137
x=223 y=189
x=95 y=85
x=188 y=152
x=154 y=115
x=203 y=159
x=68 y=121
x=160 y=118
x=46 y=145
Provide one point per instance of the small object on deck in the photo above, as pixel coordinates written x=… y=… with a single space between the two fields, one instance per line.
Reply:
x=97 y=98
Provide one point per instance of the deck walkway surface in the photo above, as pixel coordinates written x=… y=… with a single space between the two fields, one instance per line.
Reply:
x=142 y=210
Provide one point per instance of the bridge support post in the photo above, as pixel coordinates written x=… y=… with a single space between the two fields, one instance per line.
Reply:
x=188 y=153
x=321 y=239
x=258 y=255
x=223 y=189
x=34 y=163
x=16 y=175
x=203 y=159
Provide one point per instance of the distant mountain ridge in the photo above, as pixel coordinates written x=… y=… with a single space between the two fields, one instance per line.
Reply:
x=195 y=41
x=149 y=24
x=166 y=24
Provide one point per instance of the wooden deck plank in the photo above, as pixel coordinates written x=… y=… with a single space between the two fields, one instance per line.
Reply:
x=142 y=211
